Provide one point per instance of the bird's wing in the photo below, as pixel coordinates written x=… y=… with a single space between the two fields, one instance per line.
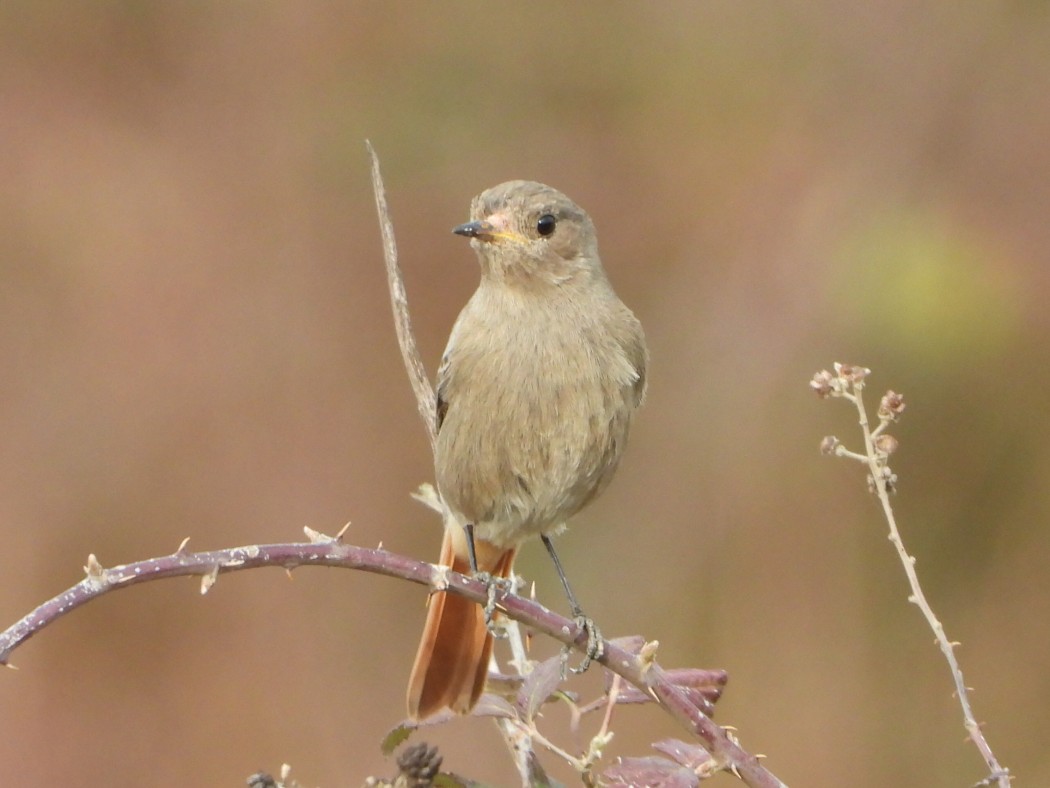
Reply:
x=442 y=390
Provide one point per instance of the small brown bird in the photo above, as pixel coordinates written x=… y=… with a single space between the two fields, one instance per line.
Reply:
x=543 y=371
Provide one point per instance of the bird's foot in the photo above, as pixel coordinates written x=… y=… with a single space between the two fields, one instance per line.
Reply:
x=494 y=585
x=595 y=643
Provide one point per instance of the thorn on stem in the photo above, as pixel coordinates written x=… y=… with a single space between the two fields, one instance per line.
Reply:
x=208 y=580
x=647 y=655
x=94 y=569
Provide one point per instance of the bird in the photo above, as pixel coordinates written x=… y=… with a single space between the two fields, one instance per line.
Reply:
x=542 y=374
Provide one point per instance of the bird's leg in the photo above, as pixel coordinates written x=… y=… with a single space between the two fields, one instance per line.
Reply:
x=493 y=584
x=472 y=554
x=595 y=644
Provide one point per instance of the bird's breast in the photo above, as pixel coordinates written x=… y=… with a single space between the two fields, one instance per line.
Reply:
x=538 y=415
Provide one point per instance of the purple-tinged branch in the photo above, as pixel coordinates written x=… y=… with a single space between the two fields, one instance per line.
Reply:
x=641 y=671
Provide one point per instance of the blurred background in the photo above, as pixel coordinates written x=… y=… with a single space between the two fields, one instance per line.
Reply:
x=195 y=340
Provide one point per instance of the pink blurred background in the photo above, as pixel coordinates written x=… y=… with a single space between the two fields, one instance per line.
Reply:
x=195 y=340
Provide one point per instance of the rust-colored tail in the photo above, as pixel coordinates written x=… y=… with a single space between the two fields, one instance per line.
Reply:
x=453 y=657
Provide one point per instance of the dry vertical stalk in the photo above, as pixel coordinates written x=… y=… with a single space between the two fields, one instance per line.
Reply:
x=417 y=374
x=847 y=382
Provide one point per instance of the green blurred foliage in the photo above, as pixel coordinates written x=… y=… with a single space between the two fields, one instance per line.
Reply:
x=922 y=285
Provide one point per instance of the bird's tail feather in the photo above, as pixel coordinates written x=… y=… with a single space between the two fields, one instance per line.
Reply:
x=453 y=657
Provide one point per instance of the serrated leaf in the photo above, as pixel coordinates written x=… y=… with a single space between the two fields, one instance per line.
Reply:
x=490 y=705
x=697 y=678
x=628 y=693
x=539 y=685
x=651 y=771
x=395 y=737
x=687 y=754
x=405 y=728
x=702 y=687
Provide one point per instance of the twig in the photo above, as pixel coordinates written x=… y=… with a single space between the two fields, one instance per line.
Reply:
x=847 y=382
x=641 y=671
x=417 y=374
x=516 y=735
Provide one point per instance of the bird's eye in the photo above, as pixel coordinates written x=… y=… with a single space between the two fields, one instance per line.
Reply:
x=545 y=224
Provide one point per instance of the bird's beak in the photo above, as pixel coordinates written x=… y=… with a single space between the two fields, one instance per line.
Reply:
x=474 y=229
x=494 y=229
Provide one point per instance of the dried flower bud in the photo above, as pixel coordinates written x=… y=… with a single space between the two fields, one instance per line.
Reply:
x=851 y=373
x=824 y=384
x=891 y=406
x=888 y=477
x=887 y=444
x=420 y=764
x=829 y=444
x=891 y=480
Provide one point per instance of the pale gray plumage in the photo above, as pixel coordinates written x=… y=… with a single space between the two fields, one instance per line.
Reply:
x=543 y=371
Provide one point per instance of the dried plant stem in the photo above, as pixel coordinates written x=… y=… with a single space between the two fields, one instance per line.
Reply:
x=516 y=736
x=876 y=463
x=417 y=374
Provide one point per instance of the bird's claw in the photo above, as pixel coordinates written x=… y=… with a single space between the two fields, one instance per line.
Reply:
x=595 y=644
x=494 y=585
